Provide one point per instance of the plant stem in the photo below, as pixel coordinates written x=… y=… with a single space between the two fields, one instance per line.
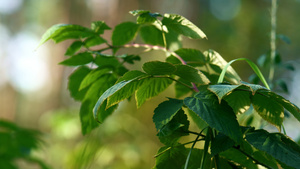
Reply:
x=273 y=40
x=189 y=155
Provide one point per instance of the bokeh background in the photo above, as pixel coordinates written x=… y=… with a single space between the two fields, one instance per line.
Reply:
x=33 y=87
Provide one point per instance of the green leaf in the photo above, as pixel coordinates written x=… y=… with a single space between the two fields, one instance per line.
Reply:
x=146 y=18
x=192 y=57
x=239 y=158
x=191 y=74
x=284 y=38
x=92 y=77
x=158 y=68
x=124 y=33
x=219 y=116
x=277 y=145
x=73 y=48
x=182 y=26
x=268 y=109
x=75 y=80
x=180 y=89
x=239 y=101
x=218 y=63
x=282 y=84
x=138 y=12
x=254 y=87
x=165 y=111
x=79 y=59
x=128 y=89
x=93 y=41
x=221 y=90
x=151 y=35
x=221 y=143
x=131 y=58
x=171 y=132
x=106 y=61
x=88 y=123
x=61 y=32
x=171 y=157
x=292 y=108
x=150 y=88
x=113 y=89
x=99 y=27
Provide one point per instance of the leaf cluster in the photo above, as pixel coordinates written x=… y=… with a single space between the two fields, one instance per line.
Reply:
x=101 y=81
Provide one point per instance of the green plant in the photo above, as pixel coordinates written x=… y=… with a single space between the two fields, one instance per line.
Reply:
x=101 y=81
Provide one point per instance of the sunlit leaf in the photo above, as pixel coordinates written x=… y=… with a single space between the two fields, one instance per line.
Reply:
x=276 y=144
x=79 y=59
x=147 y=18
x=150 y=88
x=158 y=68
x=221 y=90
x=191 y=74
x=93 y=41
x=92 y=77
x=99 y=27
x=151 y=35
x=239 y=101
x=268 y=109
x=124 y=33
x=192 y=57
x=219 y=116
x=182 y=26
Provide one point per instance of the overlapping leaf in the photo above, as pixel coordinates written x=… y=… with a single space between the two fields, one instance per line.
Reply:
x=79 y=59
x=159 y=68
x=277 y=145
x=124 y=33
x=191 y=74
x=99 y=27
x=219 y=116
x=73 y=48
x=75 y=80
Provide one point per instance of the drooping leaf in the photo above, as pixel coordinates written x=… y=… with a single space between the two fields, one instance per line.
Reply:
x=124 y=33
x=61 y=32
x=191 y=74
x=73 y=48
x=165 y=111
x=221 y=90
x=158 y=68
x=92 y=77
x=79 y=59
x=292 y=108
x=99 y=27
x=171 y=132
x=182 y=26
x=219 y=116
x=268 y=109
x=150 y=88
x=277 y=145
x=239 y=101
x=75 y=80
x=254 y=87
x=93 y=41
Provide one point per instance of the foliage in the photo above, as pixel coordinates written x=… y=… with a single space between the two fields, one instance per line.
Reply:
x=16 y=144
x=101 y=81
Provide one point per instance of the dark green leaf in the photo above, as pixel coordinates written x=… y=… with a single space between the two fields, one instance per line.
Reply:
x=99 y=27
x=159 y=68
x=75 y=80
x=254 y=87
x=138 y=12
x=268 y=109
x=150 y=88
x=165 y=112
x=239 y=158
x=88 y=123
x=79 y=59
x=171 y=157
x=191 y=74
x=131 y=58
x=221 y=143
x=61 y=32
x=106 y=61
x=124 y=33
x=182 y=26
x=146 y=18
x=239 y=101
x=219 y=116
x=93 y=41
x=180 y=89
x=277 y=145
x=73 y=48
x=171 y=132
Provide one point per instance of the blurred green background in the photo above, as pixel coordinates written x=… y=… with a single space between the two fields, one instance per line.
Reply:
x=33 y=87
